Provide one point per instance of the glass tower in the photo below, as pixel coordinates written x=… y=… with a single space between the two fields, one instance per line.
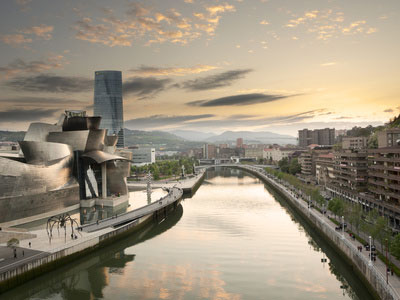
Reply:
x=108 y=103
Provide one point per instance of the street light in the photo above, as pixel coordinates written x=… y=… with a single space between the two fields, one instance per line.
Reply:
x=388 y=264
x=370 y=252
x=342 y=227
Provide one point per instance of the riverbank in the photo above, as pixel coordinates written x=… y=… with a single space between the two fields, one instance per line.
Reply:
x=44 y=254
x=189 y=184
x=372 y=273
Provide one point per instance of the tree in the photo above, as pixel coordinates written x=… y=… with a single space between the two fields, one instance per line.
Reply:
x=355 y=216
x=13 y=243
x=395 y=246
x=284 y=165
x=381 y=231
x=294 y=166
x=336 y=205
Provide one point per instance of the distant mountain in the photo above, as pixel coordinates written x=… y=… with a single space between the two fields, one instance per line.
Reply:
x=262 y=137
x=158 y=140
x=192 y=135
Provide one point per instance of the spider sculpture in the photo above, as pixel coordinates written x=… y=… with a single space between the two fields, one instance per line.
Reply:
x=60 y=221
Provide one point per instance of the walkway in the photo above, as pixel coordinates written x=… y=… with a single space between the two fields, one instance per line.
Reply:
x=24 y=255
x=185 y=184
x=394 y=280
x=173 y=195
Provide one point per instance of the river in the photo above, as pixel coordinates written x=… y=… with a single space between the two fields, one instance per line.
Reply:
x=234 y=239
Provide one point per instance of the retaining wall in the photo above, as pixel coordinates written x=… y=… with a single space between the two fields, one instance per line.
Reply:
x=67 y=253
x=373 y=277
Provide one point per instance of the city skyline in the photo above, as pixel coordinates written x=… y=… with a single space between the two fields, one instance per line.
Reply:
x=278 y=66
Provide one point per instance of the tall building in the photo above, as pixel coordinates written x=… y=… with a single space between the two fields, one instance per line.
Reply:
x=324 y=137
x=108 y=103
x=384 y=172
x=239 y=143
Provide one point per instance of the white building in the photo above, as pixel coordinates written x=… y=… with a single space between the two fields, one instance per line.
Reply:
x=143 y=156
x=277 y=154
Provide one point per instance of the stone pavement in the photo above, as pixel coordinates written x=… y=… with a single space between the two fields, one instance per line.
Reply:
x=24 y=255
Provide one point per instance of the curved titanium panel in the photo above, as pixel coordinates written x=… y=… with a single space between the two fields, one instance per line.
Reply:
x=74 y=123
x=111 y=140
x=93 y=122
x=101 y=156
x=18 y=178
x=117 y=172
x=39 y=131
x=95 y=140
x=76 y=139
x=44 y=153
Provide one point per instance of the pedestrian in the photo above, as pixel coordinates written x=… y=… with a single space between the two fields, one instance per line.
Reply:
x=391 y=271
x=23 y=253
x=97 y=222
x=15 y=253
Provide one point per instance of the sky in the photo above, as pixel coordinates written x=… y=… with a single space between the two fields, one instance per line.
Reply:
x=211 y=66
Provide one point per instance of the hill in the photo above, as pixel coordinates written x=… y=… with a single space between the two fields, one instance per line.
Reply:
x=261 y=137
x=192 y=135
x=11 y=136
x=158 y=139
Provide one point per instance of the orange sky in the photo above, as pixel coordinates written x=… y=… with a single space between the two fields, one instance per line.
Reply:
x=204 y=65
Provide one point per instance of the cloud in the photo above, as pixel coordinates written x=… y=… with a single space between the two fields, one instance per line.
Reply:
x=100 y=33
x=239 y=100
x=25 y=36
x=49 y=83
x=175 y=71
x=145 y=24
x=36 y=66
x=215 y=81
x=39 y=102
x=216 y=9
x=23 y=4
x=19 y=115
x=328 y=64
x=157 y=121
x=389 y=110
x=145 y=87
x=43 y=31
x=329 y=24
x=251 y=121
x=15 y=39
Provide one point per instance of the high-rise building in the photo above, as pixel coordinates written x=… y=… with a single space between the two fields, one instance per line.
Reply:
x=108 y=103
x=324 y=137
x=239 y=143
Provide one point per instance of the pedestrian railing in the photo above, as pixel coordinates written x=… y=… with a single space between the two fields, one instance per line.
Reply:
x=389 y=289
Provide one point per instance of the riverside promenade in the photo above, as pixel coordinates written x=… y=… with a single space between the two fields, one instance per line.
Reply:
x=188 y=185
x=375 y=272
x=42 y=253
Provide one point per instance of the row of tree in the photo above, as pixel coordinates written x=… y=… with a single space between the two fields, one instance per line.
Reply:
x=368 y=222
x=165 y=168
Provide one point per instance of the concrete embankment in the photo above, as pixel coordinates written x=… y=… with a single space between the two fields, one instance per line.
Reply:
x=91 y=237
x=372 y=277
x=189 y=185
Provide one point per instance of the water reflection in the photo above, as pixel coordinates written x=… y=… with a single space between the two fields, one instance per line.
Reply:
x=87 y=277
x=236 y=240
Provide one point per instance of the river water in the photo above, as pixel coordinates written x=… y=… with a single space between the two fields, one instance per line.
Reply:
x=234 y=239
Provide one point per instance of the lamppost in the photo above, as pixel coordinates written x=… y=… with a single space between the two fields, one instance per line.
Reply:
x=342 y=227
x=388 y=264
x=370 y=252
